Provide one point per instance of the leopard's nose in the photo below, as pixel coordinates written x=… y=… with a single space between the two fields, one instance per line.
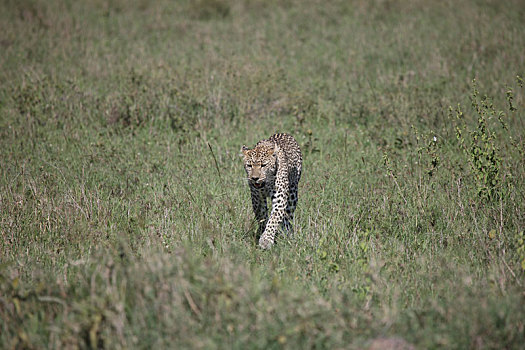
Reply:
x=255 y=178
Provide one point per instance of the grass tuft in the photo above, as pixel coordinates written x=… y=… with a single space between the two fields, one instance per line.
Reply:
x=125 y=218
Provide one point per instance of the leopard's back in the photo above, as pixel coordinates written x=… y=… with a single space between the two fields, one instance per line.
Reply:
x=292 y=151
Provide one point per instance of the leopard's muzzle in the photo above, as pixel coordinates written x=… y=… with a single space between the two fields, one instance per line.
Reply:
x=257 y=184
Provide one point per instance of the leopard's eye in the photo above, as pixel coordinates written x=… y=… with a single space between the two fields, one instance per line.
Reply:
x=263 y=165
x=249 y=165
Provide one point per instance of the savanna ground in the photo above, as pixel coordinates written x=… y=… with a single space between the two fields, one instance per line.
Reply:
x=125 y=218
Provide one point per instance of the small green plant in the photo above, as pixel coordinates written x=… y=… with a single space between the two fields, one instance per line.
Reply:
x=427 y=147
x=512 y=109
x=479 y=144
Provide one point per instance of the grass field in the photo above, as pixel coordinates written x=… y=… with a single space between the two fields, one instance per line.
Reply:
x=125 y=217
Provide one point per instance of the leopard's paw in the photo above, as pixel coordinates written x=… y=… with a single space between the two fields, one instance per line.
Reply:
x=265 y=242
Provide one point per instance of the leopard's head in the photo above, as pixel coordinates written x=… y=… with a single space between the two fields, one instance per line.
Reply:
x=260 y=163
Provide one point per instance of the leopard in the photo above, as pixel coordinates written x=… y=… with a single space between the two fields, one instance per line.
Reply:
x=273 y=168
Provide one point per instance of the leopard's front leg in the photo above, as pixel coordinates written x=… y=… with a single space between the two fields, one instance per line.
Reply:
x=260 y=208
x=277 y=215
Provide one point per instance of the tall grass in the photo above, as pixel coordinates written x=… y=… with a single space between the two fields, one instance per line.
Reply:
x=124 y=214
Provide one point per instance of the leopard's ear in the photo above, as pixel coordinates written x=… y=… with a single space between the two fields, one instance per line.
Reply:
x=244 y=150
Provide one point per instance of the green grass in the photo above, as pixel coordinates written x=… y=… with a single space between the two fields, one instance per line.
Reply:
x=125 y=218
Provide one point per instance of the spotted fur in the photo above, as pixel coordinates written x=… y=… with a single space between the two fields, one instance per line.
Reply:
x=273 y=168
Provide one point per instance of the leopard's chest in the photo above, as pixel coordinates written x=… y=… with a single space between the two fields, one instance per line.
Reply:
x=270 y=187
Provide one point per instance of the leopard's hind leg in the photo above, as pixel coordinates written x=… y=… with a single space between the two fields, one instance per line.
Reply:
x=290 y=209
